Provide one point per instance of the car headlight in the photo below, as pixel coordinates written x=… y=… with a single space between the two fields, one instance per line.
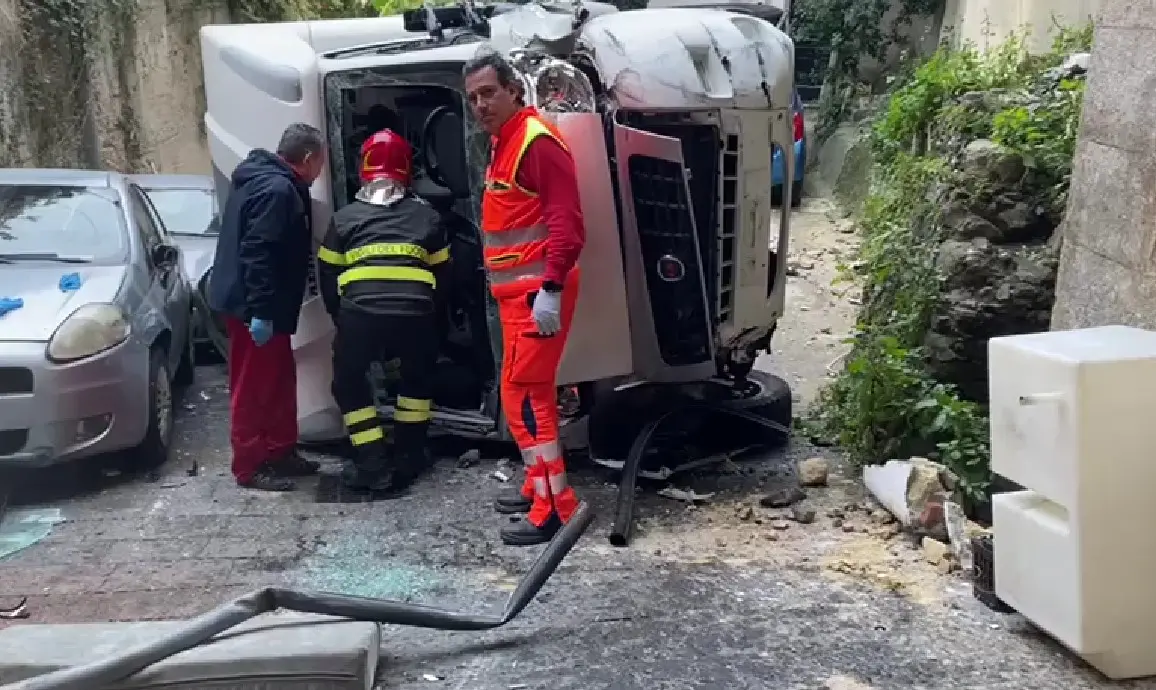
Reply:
x=89 y=330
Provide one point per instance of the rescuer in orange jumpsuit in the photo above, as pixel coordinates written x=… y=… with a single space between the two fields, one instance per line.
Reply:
x=532 y=234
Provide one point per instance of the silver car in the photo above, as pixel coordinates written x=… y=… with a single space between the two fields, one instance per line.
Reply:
x=96 y=319
x=187 y=205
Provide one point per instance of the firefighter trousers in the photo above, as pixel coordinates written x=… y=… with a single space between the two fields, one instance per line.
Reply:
x=530 y=400
x=363 y=338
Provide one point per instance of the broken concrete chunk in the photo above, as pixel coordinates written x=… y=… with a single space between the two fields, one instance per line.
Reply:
x=801 y=515
x=782 y=498
x=935 y=551
x=913 y=491
x=813 y=472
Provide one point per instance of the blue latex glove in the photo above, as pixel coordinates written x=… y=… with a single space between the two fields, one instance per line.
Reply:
x=69 y=282
x=261 y=330
x=8 y=304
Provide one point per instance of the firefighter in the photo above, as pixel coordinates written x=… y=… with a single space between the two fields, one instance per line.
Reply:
x=532 y=232
x=378 y=275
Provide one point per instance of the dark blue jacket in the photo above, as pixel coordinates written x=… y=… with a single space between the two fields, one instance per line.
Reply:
x=263 y=250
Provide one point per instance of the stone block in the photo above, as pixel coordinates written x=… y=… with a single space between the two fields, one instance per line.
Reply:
x=276 y=651
x=1111 y=210
x=1093 y=290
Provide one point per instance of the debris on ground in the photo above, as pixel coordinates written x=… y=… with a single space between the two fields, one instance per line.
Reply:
x=500 y=476
x=22 y=528
x=783 y=497
x=813 y=472
x=687 y=495
x=19 y=611
x=914 y=491
x=469 y=458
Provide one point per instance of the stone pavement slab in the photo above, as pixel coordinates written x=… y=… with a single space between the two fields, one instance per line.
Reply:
x=271 y=651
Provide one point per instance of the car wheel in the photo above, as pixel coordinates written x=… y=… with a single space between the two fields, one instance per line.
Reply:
x=187 y=368
x=618 y=418
x=797 y=194
x=154 y=450
x=762 y=394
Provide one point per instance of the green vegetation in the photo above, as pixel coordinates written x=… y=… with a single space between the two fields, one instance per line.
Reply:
x=884 y=404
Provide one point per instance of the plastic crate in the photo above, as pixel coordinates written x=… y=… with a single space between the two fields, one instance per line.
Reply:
x=983 y=574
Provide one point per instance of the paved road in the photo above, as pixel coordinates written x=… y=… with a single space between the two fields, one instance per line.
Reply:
x=719 y=596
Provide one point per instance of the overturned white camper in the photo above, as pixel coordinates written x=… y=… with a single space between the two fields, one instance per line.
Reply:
x=672 y=130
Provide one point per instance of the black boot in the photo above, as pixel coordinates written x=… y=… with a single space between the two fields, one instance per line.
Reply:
x=411 y=451
x=522 y=532
x=510 y=501
x=372 y=472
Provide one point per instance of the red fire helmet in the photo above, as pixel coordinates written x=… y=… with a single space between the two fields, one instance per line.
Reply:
x=386 y=154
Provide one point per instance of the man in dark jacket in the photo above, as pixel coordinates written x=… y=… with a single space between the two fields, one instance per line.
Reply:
x=258 y=284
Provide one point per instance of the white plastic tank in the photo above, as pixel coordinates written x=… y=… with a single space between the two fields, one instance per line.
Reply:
x=1073 y=419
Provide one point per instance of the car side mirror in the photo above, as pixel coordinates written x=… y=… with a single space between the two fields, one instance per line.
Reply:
x=444 y=144
x=165 y=256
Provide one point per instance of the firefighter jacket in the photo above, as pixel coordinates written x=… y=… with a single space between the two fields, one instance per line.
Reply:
x=384 y=260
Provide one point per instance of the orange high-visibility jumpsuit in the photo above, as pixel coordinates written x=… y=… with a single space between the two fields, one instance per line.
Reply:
x=514 y=236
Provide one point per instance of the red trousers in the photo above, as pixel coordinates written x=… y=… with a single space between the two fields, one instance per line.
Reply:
x=530 y=400
x=262 y=399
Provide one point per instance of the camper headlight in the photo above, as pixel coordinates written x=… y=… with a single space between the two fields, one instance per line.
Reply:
x=90 y=330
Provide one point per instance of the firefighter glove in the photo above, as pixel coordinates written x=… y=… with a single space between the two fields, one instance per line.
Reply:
x=261 y=330
x=548 y=312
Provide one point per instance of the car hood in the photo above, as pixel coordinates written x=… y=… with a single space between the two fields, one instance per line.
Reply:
x=45 y=304
x=196 y=255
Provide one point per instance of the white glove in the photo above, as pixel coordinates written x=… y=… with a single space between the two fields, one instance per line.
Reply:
x=548 y=312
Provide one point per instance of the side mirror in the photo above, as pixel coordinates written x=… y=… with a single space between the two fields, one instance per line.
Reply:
x=165 y=256
x=444 y=144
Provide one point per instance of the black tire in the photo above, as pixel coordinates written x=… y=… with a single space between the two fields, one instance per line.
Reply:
x=797 y=194
x=763 y=394
x=154 y=449
x=187 y=367
x=618 y=418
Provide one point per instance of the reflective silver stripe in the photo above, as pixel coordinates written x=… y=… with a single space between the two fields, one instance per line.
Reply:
x=505 y=239
x=541 y=488
x=558 y=483
x=534 y=269
x=544 y=452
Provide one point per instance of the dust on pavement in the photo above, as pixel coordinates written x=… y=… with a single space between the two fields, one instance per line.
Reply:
x=725 y=594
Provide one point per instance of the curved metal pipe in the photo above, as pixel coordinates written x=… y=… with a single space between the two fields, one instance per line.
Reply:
x=103 y=673
x=623 y=525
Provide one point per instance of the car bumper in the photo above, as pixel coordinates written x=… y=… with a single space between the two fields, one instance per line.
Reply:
x=800 y=164
x=76 y=410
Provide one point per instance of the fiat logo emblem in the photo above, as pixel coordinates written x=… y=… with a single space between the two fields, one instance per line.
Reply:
x=671 y=269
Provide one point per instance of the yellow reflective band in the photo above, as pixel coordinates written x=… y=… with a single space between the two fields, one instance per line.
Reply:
x=363 y=437
x=417 y=275
x=362 y=415
x=331 y=257
x=413 y=403
x=387 y=249
x=411 y=416
x=440 y=256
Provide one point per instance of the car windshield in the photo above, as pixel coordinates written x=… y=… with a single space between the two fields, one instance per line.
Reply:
x=50 y=222
x=185 y=211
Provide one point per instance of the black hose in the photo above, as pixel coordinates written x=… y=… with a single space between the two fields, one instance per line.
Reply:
x=624 y=509
x=105 y=672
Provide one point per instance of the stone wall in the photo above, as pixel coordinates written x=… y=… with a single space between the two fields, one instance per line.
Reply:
x=117 y=87
x=1107 y=269
x=987 y=23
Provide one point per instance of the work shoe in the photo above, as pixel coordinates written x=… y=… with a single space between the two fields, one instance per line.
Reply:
x=293 y=465
x=377 y=480
x=265 y=479
x=522 y=532
x=511 y=501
